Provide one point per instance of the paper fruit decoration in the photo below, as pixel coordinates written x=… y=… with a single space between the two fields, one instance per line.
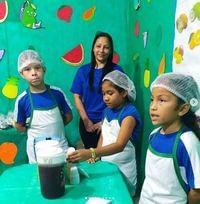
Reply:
x=28 y=15
x=3 y=11
x=64 y=13
x=75 y=56
x=161 y=68
x=1 y=54
x=115 y=58
x=88 y=14
x=147 y=73
x=8 y=152
x=10 y=89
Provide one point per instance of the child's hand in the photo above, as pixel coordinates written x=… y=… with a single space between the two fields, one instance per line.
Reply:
x=79 y=155
x=92 y=160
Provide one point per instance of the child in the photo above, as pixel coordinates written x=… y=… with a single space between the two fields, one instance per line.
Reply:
x=41 y=110
x=121 y=123
x=173 y=157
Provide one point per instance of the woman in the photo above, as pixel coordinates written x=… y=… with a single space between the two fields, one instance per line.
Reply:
x=86 y=88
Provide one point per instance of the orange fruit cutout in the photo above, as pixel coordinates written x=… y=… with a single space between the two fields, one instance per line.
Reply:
x=8 y=152
x=88 y=14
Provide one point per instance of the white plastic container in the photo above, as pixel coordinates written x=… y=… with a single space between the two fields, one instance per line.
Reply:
x=74 y=175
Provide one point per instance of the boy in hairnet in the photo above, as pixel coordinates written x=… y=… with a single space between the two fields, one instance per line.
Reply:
x=41 y=110
x=121 y=125
x=172 y=171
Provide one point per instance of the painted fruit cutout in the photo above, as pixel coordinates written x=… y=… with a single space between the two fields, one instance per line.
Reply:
x=137 y=28
x=8 y=152
x=64 y=13
x=147 y=74
x=161 y=68
x=88 y=14
x=75 y=56
x=115 y=58
x=10 y=89
x=3 y=11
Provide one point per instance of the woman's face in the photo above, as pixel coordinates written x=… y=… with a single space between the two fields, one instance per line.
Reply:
x=101 y=50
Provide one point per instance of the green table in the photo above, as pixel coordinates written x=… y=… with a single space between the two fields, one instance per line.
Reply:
x=20 y=185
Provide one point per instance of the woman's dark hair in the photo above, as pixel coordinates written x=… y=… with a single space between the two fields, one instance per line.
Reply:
x=109 y=64
x=190 y=120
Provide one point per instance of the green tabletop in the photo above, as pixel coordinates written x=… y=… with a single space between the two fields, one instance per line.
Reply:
x=20 y=185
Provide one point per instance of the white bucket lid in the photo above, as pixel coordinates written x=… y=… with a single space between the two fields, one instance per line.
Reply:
x=50 y=155
x=46 y=143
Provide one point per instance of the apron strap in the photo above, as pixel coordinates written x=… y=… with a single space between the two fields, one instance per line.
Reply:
x=175 y=160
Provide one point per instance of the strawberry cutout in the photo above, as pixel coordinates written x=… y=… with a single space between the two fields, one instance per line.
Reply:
x=64 y=13
x=116 y=58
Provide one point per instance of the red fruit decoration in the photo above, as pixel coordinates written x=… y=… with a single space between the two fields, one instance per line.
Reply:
x=3 y=11
x=115 y=58
x=75 y=56
x=64 y=13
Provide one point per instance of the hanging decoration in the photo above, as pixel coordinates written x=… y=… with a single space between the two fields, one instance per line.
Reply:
x=89 y=13
x=75 y=56
x=28 y=15
x=161 y=68
x=65 y=13
x=178 y=54
x=8 y=152
x=2 y=51
x=145 y=36
x=3 y=11
x=116 y=58
x=10 y=89
x=137 y=28
x=147 y=73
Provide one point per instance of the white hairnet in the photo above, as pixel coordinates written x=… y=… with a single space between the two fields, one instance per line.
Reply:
x=122 y=80
x=27 y=57
x=183 y=86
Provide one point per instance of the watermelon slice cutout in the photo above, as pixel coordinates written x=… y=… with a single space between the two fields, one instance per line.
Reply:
x=75 y=56
x=3 y=11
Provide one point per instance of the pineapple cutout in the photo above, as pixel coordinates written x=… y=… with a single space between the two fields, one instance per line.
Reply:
x=10 y=89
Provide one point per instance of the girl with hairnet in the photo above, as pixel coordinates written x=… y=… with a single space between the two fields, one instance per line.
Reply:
x=121 y=124
x=173 y=157
x=41 y=110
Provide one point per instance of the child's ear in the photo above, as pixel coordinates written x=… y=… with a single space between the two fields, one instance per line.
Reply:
x=184 y=109
x=125 y=93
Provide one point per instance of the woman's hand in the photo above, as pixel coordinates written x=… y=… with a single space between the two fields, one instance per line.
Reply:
x=97 y=127
x=89 y=126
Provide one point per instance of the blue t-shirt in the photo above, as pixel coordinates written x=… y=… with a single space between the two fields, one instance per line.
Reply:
x=92 y=98
x=43 y=100
x=128 y=110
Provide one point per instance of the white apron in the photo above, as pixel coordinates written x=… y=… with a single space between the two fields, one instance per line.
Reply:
x=125 y=160
x=45 y=124
x=159 y=188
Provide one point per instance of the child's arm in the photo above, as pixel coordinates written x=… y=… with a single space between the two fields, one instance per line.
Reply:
x=67 y=118
x=194 y=196
x=127 y=126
